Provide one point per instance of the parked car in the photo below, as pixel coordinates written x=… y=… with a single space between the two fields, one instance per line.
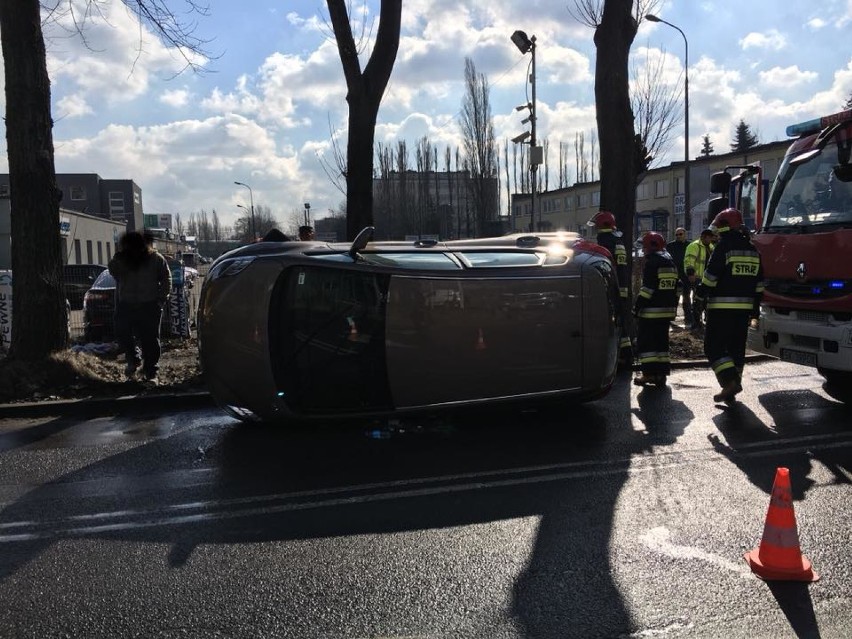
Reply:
x=99 y=309
x=77 y=279
x=301 y=330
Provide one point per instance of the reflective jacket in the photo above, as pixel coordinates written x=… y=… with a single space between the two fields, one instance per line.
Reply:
x=733 y=279
x=696 y=257
x=615 y=245
x=658 y=296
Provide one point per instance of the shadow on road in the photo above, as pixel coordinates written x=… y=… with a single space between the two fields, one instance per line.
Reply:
x=274 y=484
x=795 y=601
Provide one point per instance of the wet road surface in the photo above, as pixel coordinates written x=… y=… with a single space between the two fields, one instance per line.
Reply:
x=623 y=517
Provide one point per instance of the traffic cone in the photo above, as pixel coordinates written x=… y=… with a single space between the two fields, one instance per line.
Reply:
x=480 y=342
x=779 y=557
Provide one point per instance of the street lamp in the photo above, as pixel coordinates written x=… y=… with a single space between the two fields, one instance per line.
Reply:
x=251 y=198
x=686 y=206
x=527 y=45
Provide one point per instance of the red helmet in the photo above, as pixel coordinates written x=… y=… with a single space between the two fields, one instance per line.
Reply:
x=653 y=242
x=602 y=220
x=729 y=218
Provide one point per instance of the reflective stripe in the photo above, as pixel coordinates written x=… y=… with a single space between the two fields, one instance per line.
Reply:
x=654 y=358
x=742 y=256
x=731 y=303
x=667 y=269
x=646 y=292
x=709 y=280
x=721 y=364
x=622 y=292
x=781 y=537
x=658 y=313
x=625 y=343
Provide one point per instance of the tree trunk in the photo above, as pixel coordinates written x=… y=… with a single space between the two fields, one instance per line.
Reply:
x=364 y=95
x=613 y=38
x=39 y=316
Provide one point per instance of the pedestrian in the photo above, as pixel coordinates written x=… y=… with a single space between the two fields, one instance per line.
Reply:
x=733 y=287
x=306 y=233
x=609 y=237
x=677 y=249
x=655 y=307
x=695 y=260
x=274 y=235
x=143 y=283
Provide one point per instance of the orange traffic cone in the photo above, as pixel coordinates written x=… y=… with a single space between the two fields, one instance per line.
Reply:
x=779 y=557
x=480 y=342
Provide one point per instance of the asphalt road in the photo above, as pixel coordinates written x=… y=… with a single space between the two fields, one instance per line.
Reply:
x=626 y=517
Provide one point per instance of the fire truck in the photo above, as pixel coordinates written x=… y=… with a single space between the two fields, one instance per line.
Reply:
x=804 y=236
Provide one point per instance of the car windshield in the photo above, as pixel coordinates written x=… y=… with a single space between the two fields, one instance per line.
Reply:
x=809 y=193
x=105 y=280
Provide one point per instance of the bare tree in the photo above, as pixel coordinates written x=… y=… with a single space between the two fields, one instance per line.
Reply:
x=364 y=95
x=657 y=107
x=39 y=319
x=216 y=227
x=477 y=128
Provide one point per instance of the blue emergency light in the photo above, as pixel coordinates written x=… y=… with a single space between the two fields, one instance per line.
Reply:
x=837 y=284
x=817 y=124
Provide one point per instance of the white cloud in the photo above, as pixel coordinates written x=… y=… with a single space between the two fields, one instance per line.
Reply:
x=778 y=77
x=175 y=98
x=73 y=105
x=772 y=39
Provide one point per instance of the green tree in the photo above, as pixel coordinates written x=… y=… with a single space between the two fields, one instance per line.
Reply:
x=744 y=139
x=364 y=95
x=706 y=145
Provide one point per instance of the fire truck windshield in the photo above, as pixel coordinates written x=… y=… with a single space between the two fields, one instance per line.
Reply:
x=808 y=193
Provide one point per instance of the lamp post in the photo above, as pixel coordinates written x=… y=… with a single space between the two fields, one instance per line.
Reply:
x=307 y=213
x=251 y=199
x=525 y=44
x=686 y=204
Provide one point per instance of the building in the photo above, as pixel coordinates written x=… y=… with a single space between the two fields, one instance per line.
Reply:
x=438 y=203
x=88 y=193
x=659 y=196
x=85 y=239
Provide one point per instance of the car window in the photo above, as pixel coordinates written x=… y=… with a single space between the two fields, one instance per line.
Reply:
x=502 y=259
x=105 y=280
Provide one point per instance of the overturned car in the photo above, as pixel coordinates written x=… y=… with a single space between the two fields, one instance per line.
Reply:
x=301 y=330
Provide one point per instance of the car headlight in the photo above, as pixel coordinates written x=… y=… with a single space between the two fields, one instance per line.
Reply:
x=229 y=268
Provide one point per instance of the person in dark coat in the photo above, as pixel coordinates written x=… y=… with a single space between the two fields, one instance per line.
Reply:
x=654 y=308
x=143 y=284
x=274 y=235
x=677 y=249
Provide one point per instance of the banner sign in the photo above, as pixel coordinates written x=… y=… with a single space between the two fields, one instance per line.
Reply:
x=5 y=310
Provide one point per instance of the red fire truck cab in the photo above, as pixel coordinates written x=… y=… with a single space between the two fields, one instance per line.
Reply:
x=804 y=236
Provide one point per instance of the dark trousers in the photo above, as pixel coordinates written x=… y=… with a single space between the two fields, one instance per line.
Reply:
x=686 y=299
x=652 y=344
x=139 y=322
x=725 y=338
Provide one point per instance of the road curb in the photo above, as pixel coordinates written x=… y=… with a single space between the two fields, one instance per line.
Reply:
x=702 y=363
x=100 y=406
x=153 y=402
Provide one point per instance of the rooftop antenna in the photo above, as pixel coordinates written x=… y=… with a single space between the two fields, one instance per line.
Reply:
x=361 y=241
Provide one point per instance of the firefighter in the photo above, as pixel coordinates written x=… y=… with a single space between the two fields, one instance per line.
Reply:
x=609 y=237
x=655 y=307
x=695 y=260
x=732 y=286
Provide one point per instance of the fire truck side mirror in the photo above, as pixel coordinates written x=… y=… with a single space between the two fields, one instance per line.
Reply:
x=720 y=182
x=716 y=206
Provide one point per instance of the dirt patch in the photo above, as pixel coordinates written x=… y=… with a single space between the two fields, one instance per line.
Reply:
x=100 y=373
x=684 y=344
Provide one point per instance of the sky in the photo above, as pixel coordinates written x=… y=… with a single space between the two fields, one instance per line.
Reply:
x=269 y=105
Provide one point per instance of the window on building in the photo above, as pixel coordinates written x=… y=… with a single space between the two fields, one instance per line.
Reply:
x=100 y=252
x=89 y=253
x=109 y=251
x=4 y=190
x=661 y=188
x=643 y=191
x=596 y=198
x=567 y=203
x=78 y=253
x=679 y=185
x=116 y=204
x=77 y=193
